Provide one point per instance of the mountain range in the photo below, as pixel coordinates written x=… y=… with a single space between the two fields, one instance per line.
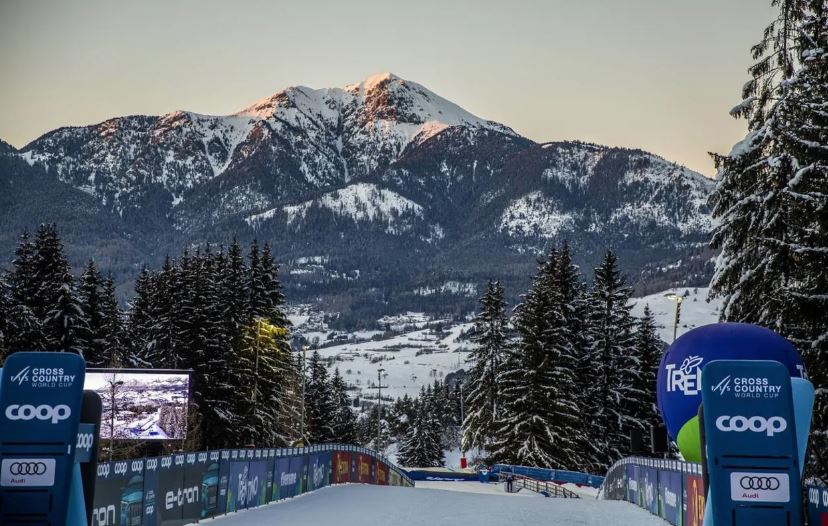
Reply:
x=377 y=197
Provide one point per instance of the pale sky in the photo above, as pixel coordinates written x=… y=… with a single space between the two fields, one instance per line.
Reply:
x=659 y=75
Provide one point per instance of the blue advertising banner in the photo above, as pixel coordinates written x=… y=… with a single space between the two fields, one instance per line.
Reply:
x=319 y=470
x=669 y=496
x=286 y=481
x=152 y=503
x=40 y=405
x=299 y=468
x=236 y=498
x=817 y=506
x=257 y=483
x=748 y=415
x=223 y=482
x=647 y=489
x=119 y=494
x=631 y=476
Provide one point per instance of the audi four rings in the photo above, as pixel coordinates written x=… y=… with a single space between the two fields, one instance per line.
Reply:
x=770 y=483
x=27 y=468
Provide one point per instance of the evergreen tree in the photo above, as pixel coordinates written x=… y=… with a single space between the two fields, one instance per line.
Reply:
x=319 y=402
x=649 y=349
x=612 y=395
x=344 y=420
x=110 y=330
x=482 y=394
x=772 y=198
x=94 y=339
x=538 y=381
x=422 y=446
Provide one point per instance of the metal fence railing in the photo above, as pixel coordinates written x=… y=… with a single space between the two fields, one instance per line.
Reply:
x=547 y=488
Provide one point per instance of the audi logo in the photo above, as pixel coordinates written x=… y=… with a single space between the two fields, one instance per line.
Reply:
x=27 y=468
x=770 y=483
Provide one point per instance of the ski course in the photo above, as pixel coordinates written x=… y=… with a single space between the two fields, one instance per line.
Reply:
x=438 y=504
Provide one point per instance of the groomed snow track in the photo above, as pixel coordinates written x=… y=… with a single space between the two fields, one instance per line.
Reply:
x=438 y=504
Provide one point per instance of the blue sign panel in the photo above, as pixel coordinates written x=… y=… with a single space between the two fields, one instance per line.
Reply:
x=751 y=443
x=40 y=405
x=257 y=483
x=669 y=496
x=319 y=470
x=237 y=485
x=284 y=481
x=632 y=483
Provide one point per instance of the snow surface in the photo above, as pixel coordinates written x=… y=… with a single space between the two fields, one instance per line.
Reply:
x=534 y=215
x=696 y=310
x=359 y=505
x=360 y=202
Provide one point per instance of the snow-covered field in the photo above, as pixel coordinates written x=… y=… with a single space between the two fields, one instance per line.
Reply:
x=416 y=358
x=358 y=505
x=695 y=310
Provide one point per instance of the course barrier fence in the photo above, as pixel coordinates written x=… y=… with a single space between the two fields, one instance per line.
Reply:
x=185 y=488
x=674 y=490
x=552 y=475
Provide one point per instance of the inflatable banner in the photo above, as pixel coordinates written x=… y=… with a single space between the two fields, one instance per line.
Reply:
x=680 y=373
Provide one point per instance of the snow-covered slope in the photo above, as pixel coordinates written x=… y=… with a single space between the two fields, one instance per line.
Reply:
x=361 y=504
x=416 y=358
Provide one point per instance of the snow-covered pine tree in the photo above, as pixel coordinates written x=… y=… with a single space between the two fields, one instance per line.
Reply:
x=649 y=349
x=19 y=329
x=65 y=324
x=138 y=323
x=111 y=330
x=344 y=422
x=538 y=381
x=772 y=198
x=422 y=445
x=574 y=309
x=481 y=395
x=612 y=394
x=319 y=402
x=89 y=296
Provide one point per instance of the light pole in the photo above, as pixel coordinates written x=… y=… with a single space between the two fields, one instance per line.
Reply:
x=304 y=379
x=112 y=388
x=678 y=299
x=462 y=421
x=379 y=406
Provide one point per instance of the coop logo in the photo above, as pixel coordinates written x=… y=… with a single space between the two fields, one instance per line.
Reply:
x=103 y=470
x=757 y=424
x=120 y=468
x=181 y=497
x=152 y=464
x=85 y=441
x=814 y=496
x=287 y=479
x=42 y=412
x=166 y=462
x=687 y=377
x=43 y=377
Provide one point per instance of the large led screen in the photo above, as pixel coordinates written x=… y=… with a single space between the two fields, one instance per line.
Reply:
x=141 y=404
